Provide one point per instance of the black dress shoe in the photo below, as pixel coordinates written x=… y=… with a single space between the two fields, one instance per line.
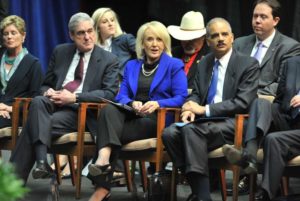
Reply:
x=240 y=158
x=243 y=187
x=192 y=197
x=42 y=170
x=262 y=195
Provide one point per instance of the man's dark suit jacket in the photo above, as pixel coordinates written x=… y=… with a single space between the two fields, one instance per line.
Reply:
x=101 y=79
x=289 y=85
x=240 y=84
x=178 y=53
x=281 y=48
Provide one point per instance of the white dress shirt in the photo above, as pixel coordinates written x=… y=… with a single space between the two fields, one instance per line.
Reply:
x=221 y=77
x=265 y=46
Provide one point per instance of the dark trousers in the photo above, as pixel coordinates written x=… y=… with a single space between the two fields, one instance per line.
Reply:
x=279 y=147
x=44 y=120
x=188 y=146
x=4 y=122
x=265 y=117
x=117 y=127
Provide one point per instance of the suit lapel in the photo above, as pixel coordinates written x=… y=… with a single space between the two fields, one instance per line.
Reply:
x=65 y=66
x=206 y=80
x=271 y=49
x=160 y=72
x=92 y=68
x=297 y=79
x=229 y=76
x=249 y=46
x=133 y=77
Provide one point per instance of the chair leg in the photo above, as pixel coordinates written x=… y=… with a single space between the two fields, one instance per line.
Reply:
x=57 y=168
x=235 y=183
x=128 y=175
x=285 y=185
x=173 y=184
x=72 y=169
x=78 y=175
x=143 y=173
x=252 y=183
x=223 y=184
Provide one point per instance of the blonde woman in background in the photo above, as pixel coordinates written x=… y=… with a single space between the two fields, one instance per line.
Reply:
x=111 y=37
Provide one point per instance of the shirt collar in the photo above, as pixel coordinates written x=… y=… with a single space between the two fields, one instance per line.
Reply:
x=267 y=42
x=225 y=59
x=86 y=54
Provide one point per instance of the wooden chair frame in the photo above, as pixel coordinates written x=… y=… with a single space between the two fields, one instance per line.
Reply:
x=158 y=156
x=9 y=143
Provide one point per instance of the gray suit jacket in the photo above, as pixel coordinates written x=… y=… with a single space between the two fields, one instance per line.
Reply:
x=281 y=48
x=101 y=78
x=240 y=84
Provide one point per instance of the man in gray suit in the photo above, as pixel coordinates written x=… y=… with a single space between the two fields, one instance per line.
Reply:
x=274 y=48
x=225 y=84
x=79 y=72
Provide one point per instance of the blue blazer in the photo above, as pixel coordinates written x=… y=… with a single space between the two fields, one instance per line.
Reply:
x=168 y=88
x=169 y=85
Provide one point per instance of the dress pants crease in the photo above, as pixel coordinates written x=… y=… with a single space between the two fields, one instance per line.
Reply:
x=265 y=117
x=44 y=118
x=40 y=120
x=277 y=149
x=118 y=127
x=189 y=146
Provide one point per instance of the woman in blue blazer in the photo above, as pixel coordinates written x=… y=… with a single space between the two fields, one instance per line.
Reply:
x=20 y=72
x=111 y=37
x=152 y=81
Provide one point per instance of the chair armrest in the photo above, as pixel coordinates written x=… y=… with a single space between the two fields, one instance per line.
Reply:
x=83 y=106
x=161 y=123
x=239 y=129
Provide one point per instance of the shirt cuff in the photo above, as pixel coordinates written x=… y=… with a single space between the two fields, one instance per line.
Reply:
x=207 y=111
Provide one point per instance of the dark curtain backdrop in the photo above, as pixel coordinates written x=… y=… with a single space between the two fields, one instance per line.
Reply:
x=46 y=24
x=133 y=13
x=47 y=20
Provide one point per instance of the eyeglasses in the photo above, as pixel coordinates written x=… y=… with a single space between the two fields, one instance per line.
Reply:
x=82 y=33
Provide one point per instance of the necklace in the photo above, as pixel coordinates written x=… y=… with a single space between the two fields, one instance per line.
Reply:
x=148 y=73
x=9 y=61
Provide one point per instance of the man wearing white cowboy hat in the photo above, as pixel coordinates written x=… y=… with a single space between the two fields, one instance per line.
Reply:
x=191 y=33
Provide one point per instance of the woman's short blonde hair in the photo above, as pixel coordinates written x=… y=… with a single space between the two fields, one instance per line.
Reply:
x=159 y=30
x=97 y=15
x=15 y=20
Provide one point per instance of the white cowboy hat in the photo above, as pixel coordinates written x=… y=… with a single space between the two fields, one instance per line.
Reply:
x=191 y=27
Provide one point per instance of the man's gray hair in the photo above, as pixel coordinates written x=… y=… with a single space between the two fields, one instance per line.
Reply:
x=214 y=20
x=76 y=18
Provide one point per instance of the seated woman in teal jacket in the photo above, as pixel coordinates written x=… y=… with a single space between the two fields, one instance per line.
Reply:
x=152 y=81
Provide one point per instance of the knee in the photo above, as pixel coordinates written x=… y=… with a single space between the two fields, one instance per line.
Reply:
x=272 y=138
x=38 y=101
x=168 y=134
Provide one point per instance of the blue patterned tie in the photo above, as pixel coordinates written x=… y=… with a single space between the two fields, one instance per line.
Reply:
x=213 y=84
x=258 y=53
